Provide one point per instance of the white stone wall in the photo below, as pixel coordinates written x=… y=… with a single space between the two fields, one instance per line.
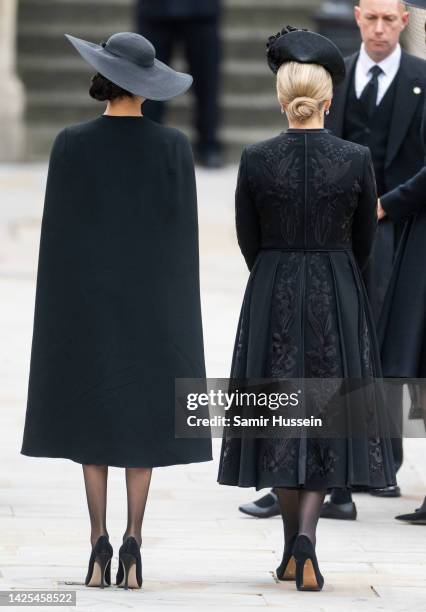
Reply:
x=12 y=144
x=415 y=33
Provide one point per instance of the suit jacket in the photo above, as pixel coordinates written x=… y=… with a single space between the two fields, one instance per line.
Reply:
x=172 y=9
x=406 y=149
x=410 y=197
x=401 y=327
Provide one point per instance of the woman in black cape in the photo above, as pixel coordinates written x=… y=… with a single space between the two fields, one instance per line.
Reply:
x=117 y=312
x=306 y=219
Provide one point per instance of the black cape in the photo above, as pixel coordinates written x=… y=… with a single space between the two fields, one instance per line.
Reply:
x=117 y=312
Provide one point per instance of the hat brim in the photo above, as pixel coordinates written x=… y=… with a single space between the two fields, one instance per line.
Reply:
x=157 y=82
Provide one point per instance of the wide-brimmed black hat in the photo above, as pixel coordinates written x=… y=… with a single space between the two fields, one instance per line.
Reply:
x=306 y=47
x=128 y=60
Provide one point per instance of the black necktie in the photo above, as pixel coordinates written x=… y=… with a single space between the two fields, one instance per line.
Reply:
x=369 y=95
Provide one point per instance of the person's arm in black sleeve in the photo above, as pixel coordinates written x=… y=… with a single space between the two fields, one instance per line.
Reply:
x=246 y=216
x=410 y=197
x=365 y=218
x=407 y=199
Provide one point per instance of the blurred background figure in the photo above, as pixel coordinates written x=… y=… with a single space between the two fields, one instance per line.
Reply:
x=195 y=23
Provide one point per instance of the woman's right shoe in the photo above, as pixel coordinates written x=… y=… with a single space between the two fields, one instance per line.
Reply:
x=99 y=571
x=308 y=575
x=287 y=568
x=129 y=574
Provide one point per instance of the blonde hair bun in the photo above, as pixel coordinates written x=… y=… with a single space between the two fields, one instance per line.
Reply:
x=302 y=108
x=303 y=89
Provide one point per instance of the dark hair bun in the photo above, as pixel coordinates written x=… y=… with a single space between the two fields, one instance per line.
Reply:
x=103 y=89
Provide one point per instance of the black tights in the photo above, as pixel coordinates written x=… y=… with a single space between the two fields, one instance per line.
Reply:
x=300 y=510
x=137 y=484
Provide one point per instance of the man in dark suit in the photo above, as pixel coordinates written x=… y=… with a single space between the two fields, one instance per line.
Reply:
x=410 y=198
x=195 y=23
x=379 y=105
x=390 y=126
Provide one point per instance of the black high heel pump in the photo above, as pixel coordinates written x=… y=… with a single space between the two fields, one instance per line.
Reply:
x=308 y=575
x=287 y=568
x=129 y=574
x=99 y=571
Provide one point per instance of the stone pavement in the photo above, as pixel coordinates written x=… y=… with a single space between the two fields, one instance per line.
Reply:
x=199 y=552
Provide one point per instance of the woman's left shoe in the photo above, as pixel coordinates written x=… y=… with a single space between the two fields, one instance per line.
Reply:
x=287 y=568
x=308 y=575
x=129 y=574
x=99 y=571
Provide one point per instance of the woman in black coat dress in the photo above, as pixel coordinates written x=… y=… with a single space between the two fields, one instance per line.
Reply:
x=306 y=219
x=117 y=312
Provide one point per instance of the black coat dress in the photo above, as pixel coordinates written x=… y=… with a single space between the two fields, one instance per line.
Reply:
x=117 y=311
x=306 y=220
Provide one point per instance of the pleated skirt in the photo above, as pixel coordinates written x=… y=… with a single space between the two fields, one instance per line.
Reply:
x=305 y=314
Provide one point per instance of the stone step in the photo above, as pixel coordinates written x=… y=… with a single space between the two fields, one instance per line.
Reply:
x=262 y=110
x=41 y=135
x=267 y=12
x=240 y=41
x=56 y=74
x=57 y=80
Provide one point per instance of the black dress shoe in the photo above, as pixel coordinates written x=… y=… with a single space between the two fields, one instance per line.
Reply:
x=392 y=491
x=418 y=517
x=308 y=575
x=264 y=507
x=99 y=570
x=287 y=568
x=342 y=512
x=129 y=574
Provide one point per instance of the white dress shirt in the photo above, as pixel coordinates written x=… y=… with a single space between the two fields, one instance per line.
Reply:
x=389 y=66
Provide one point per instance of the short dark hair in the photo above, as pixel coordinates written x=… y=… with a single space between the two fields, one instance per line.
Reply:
x=103 y=89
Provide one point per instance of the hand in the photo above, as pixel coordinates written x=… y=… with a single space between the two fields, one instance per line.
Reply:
x=380 y=211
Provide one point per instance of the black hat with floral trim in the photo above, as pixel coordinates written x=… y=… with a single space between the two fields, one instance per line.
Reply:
x=304 y=46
